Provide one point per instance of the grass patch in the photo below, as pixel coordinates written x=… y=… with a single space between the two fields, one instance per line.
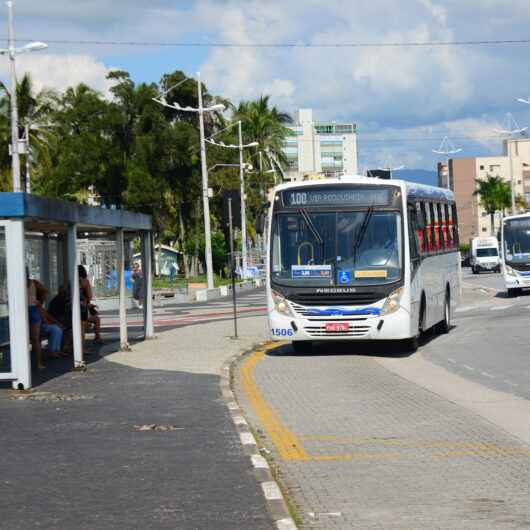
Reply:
x=164 y=282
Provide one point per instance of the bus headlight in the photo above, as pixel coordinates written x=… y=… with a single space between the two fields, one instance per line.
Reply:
x=509 y=271
x=393 y=302
x=280 y=304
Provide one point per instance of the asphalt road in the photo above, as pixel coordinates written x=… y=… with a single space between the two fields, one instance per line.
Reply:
x=490 y=341
x=491 y=280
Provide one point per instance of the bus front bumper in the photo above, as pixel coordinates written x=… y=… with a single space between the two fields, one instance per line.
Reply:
x=395 y=326
x=516 y=282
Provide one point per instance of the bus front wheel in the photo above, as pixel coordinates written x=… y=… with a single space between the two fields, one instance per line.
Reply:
x=302 y=346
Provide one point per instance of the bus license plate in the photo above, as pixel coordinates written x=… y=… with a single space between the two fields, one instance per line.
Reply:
x=337 y=326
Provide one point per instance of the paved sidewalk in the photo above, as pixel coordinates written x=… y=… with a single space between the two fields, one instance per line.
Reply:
x=142 y=440
x=360 y=448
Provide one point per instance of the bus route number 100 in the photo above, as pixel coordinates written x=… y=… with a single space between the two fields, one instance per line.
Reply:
x=298 y=198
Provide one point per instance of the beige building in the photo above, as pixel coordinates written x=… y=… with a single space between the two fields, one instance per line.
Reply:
x=463 y=172
x=325 y=148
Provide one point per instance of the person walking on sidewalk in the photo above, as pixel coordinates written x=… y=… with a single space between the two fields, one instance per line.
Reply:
x=138 y=285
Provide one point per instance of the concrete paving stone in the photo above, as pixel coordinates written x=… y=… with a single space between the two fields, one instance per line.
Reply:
x=400 y=456
x=85 y=464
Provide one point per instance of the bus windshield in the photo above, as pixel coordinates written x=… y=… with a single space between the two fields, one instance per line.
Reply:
x=517 y=240
x=336 y=248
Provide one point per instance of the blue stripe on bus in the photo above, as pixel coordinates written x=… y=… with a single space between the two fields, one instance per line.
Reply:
x=339 y=311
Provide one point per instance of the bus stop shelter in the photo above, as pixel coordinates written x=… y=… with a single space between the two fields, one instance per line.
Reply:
x=61 y=222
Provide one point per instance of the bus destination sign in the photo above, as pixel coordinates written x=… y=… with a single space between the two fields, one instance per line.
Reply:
x=339 y=196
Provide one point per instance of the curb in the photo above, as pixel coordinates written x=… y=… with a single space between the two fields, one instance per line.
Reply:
x=270 y=488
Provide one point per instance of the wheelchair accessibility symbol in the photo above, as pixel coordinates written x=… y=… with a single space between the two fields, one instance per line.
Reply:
x=344 y=277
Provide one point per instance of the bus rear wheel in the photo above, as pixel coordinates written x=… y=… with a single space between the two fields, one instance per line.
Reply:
x=445 y=325
x=512 y=293
x=302 y=346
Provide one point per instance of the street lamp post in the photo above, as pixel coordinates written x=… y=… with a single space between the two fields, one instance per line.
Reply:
x=12 y=51
x=447 y=148
x=204 y=169
x=240 y=147
x=510 y=127
x=205 y=198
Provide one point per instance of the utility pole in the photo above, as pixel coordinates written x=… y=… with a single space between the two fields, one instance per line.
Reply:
x=205 y=198
x=28 y=158
x=232 y=266
x=243 y=207
x=15 y=159
x=11 y=51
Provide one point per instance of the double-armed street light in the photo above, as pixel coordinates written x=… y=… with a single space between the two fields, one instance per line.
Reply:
x=447 y=148
x=509 y=128
x=242 y=167
x=13 y=51
x=200 y=110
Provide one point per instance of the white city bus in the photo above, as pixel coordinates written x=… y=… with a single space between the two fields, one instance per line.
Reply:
x=515 y=244
x=356 y=258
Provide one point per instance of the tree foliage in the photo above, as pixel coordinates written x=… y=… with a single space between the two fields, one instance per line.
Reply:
x=128 y=151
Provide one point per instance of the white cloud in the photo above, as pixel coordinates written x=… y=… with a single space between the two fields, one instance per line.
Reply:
x=60 y=71
x=399 y=91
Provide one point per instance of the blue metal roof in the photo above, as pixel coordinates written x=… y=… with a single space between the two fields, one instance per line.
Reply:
x=26 y=206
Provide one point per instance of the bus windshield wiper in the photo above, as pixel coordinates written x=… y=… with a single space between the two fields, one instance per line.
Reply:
x=362 y=231
x=309 y=222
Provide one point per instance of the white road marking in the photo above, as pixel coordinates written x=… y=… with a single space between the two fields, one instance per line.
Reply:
x=451 y=360
x=330 y=514
x=485 y=374
x=239 y=420
x=510 y=383
x=271 y=491
x=247 y=438
x=259 y=462
x=467 y=367
x=501 y=308
x=285 y=524
x=232 y=405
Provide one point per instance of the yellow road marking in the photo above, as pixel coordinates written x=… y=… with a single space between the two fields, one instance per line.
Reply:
x=288 y=445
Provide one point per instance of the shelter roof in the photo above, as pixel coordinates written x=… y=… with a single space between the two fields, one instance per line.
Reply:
x=52 y=213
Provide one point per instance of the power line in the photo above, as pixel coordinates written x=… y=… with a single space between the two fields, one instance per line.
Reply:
x=418 y=44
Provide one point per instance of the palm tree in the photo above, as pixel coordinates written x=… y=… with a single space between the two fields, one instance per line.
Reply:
x=266 y=125
x=33 y=109
x=495 y=195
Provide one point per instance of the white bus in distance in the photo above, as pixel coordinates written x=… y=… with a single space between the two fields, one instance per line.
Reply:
x=356 y=258
x=515 y=244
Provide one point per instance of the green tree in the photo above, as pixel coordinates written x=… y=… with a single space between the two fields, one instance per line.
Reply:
x=34 y=110
x=495 y=196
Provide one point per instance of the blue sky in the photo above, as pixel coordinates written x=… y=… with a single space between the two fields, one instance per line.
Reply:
x=404 y=100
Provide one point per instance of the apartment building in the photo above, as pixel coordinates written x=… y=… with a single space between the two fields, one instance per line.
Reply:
x=325 y=148
x=463 y=172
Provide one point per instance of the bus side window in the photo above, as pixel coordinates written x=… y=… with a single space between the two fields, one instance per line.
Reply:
x=420 y=230
x=436 y=226
x=413 y=233
x=428 y=227
x=456 y=240
x=450 y=228
x=445 y=223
